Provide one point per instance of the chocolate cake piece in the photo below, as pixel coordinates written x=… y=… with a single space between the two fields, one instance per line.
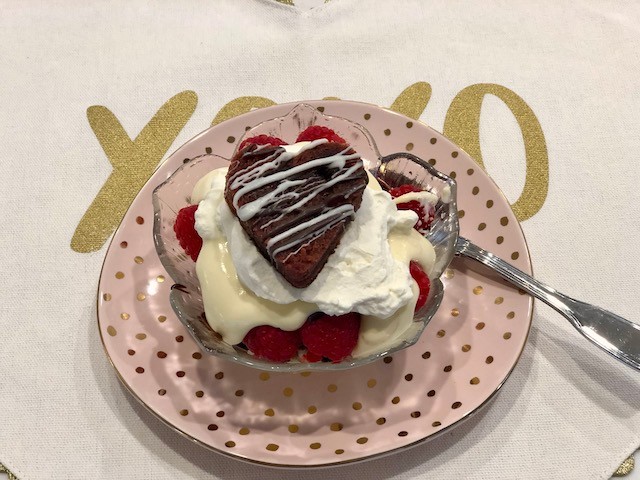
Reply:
x=295 y=207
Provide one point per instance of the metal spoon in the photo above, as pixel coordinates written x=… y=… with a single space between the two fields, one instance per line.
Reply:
x=613 y=334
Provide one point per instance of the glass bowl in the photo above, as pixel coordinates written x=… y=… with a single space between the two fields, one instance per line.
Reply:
x=391 y=170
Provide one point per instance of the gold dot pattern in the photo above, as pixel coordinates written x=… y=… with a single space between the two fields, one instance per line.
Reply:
x=141 y=296
x=111 y=331
x=362 y=440
x=510 y=315
x=332 y=388
x=287 y=392
x=478 y=290
x=479 y=325
x=220 y=434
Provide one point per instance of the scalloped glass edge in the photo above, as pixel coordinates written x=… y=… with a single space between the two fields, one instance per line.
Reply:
x=390 y=170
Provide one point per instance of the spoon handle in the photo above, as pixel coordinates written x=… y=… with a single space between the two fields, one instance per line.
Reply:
x=615 y=335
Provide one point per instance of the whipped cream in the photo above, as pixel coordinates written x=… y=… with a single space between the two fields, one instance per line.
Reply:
x=367 y=273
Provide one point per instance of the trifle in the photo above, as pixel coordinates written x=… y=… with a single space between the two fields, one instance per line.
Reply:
x=306 y=255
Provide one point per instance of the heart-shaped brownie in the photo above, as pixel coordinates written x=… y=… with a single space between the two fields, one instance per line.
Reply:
x=295 y=202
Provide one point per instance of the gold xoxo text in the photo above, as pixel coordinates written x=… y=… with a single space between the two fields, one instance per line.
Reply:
x=135 y=160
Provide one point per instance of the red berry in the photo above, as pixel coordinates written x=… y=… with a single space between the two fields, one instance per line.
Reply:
x=424 y=284
x=312 y=357
x=261 y=140
x=333 y=337
x=186 y=234
x=273 y=344
x=424 y=218
x=316 y=132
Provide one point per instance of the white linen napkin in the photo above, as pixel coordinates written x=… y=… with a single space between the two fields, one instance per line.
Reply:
x=568 y=411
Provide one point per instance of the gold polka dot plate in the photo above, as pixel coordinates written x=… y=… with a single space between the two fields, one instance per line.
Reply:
x=312 y=419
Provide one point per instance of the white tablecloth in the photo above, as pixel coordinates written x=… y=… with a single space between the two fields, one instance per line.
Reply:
x=568 y=411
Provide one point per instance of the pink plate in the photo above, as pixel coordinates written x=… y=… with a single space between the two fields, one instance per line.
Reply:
x=303 y=420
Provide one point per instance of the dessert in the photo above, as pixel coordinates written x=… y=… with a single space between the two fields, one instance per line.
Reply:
x=295 y=203
x=305 y=262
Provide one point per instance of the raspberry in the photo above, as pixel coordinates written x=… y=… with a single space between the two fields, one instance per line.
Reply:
x=261 y=140
x=424 y=218
x=273 y=344
x=186 y=234
x=315 y=132
x=333 y=337
x=424 y=284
